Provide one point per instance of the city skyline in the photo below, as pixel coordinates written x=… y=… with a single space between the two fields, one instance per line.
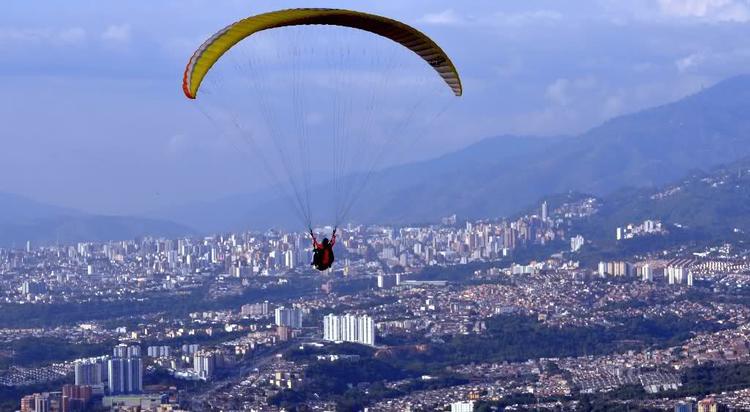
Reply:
x=399 y=301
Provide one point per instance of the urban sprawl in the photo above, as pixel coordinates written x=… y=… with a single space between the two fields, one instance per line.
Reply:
x=238 y=321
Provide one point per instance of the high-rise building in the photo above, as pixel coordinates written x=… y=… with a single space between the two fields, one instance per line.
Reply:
x=42 y=402
x=126 y=370
x=134 y=351
x=158 y=351
x=510 y=238
x=349 y=328
x=289 y=259
x=27 y=403
x=116 y=378
x=708 y=405
x=417 y=248
x=255 y=309
x=204 y=364
x=75 y=397
x=288 y=317
x=684 y=407
x=647 y=273
x=349 y=331
x=120 y=351
x=467 y=406
x=545 y=212
x=602 y=269
x=332 y=328
x=576 y=243
x=386 y=281
x=190 y=349
x=89 y=371
x=366 y=330
x=676 y=275
x=622 y=269
x=284 y=333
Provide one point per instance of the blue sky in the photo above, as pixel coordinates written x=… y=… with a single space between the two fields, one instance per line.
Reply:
x=93 y=116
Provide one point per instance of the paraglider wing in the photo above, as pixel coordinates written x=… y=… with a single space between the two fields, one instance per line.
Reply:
x=210 y=51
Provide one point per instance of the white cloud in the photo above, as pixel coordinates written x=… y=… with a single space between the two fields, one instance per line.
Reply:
x=660 y=11
x=525 y=18
x=117 y=33
x=686 y=63
x=563 y=91
x=445 y=17
x=715 y=10
x=450 y=17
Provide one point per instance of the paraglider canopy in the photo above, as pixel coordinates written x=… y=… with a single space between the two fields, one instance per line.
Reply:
x=211 y=50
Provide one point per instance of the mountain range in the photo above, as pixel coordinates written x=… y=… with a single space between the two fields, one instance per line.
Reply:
x=713 y=204
x=498 y=176
x=495 y=177
x=23 y=219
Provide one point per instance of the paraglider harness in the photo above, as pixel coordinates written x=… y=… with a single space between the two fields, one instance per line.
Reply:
x=323 y=252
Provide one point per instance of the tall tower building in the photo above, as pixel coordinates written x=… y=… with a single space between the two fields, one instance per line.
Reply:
x=204 y=364
x=684 y=407
x=126 y=370
x=288 y=317
x=349 y=328
x=602 y=269
x=289 y=260
x=647 y=273
x=75 y=397
x=134 y=351
x=120 y=351
x=135 y=375
x=88 y=372
x=708 y=405
x=116 y=378
x=42 y=402
x=545 y=212
x=332 y=328
x=366 y=330
x=27 y=403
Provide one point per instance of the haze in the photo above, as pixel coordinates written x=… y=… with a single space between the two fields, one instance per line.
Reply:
x=93 y=116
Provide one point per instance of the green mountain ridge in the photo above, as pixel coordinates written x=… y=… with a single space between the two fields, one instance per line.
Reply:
x=645 y=149
x=708 y=205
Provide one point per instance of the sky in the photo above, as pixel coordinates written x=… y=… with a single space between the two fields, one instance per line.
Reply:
x=93 y=116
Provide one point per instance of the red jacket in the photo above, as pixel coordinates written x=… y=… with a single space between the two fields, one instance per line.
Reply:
x=326 y=252
x=320 y=245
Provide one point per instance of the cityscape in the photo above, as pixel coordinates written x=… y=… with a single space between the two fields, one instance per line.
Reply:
x=375 y=206
x=256 y=327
